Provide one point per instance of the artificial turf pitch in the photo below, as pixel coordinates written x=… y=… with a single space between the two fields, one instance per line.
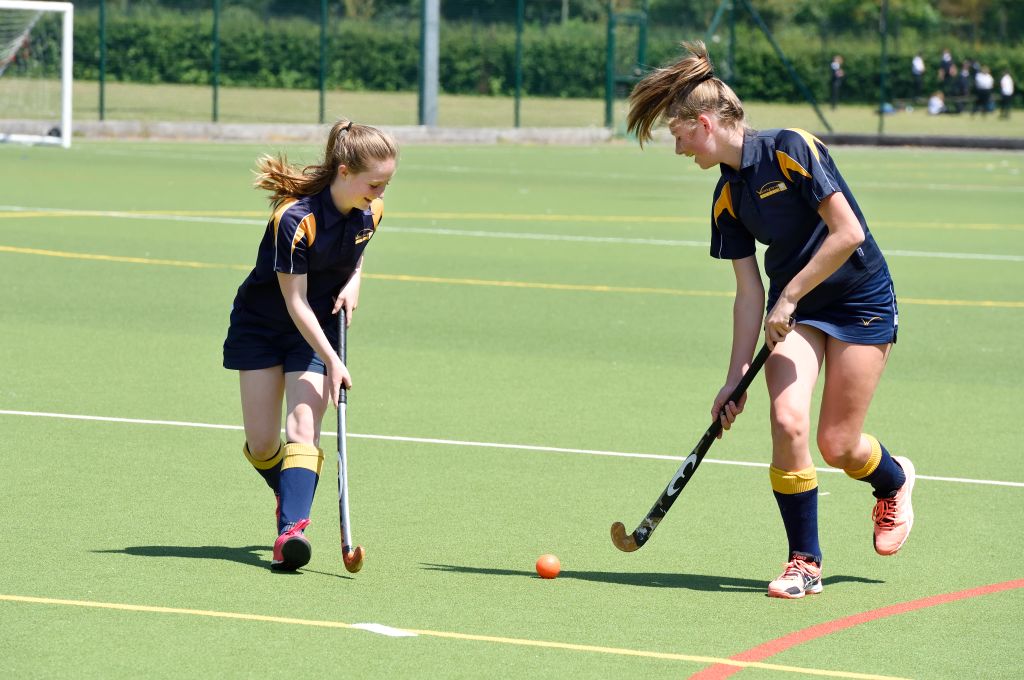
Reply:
x=525 y=311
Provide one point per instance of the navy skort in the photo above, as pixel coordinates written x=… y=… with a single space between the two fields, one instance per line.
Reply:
x=868 y=315
x=251 y=345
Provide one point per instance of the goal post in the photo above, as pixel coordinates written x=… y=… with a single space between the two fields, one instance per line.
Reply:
x=26 y=67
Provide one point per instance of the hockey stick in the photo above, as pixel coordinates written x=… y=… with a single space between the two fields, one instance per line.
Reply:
x=353 y=558
x=657 y=513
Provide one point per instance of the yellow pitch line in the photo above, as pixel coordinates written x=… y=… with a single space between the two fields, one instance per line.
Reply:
x=546 y=286
x=443 y=634
x=546 y=217
x=410 y=278
x=971 y=226
x=961 y=303
x=120 y=258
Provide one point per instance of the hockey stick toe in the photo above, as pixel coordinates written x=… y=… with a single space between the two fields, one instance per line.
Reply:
x=621 y=539
x=353 y=559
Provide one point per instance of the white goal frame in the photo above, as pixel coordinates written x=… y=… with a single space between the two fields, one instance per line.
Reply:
x=67 y=10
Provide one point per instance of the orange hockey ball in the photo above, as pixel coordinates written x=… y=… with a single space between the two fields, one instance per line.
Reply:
x=548 y=566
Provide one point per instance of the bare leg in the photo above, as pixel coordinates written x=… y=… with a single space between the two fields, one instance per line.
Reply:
x=262 y=394
x=791 y=373
x=307 y=402
x=852 y=373
x=305 y=394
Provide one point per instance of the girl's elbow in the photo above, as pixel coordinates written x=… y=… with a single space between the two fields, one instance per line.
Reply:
x=854 y=238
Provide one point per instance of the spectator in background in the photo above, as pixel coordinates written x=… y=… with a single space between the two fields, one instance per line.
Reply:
x=984 y=83
x=966 y=78
x=936 y=103
x=962 y=85
x=838 y=74
x=917 y=72
x=946 y=65
x=1006 y=92
x=949 y=85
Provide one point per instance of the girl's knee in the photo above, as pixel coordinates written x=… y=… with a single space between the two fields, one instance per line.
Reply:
x=791 y=424
x=837 y=448
x=302 y=427
x=263 y=447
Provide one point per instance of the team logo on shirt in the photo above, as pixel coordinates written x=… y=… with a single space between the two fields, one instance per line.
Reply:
x=364 y=236
x=771 y=188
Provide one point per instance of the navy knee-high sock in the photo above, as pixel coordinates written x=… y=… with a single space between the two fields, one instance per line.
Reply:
x=797 y=495
x=300 y=472
x=881 y=471
x=269 y=469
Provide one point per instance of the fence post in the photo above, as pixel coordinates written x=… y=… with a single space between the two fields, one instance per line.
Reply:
x=216 y=59
x=103 y=58
x=883 y=67
x=609 y=76
x=323 y=57
x=430 y=21
x=520 y=11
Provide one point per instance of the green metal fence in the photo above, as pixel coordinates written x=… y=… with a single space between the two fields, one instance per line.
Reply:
x=501 y=63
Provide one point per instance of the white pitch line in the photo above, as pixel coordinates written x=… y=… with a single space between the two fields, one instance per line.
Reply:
x=123 y=214
x=955 y=256
x=381 y=629
x=525 y=236
x=458 y=442
x=477 y=233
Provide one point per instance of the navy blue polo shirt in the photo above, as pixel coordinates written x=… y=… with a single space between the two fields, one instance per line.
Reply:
x=773 y=198
x=307 y=236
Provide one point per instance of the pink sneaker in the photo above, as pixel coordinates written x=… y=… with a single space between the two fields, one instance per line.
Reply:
x=894 y=516
x=291 y=549
x=800 y=578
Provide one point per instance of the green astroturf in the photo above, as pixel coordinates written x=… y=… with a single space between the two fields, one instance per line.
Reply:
x=487 y=336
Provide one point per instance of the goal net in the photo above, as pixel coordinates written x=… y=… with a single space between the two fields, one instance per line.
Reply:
x=35 y=72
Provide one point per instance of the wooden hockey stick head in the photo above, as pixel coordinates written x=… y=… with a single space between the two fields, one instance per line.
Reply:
x=353 y=559
x=623 y=541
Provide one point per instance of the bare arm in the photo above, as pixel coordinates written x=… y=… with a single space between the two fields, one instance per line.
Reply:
x=349 y=295
x=844 y=237
x=747 y=313
x=293 y=287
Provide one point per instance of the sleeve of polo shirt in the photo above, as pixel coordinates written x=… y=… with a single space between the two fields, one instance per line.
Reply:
x=294 y=233
x=730 y=240
x=805 y=163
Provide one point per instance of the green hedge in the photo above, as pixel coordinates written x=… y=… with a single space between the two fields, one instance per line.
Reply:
x=559 y=61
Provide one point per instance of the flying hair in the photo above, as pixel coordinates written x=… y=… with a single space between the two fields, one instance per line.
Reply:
x=350 y=144
x=683 y=90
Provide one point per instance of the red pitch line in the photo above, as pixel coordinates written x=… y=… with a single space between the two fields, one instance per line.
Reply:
x=779 y=645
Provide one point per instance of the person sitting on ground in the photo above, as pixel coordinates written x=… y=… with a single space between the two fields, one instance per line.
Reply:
x=936 y=103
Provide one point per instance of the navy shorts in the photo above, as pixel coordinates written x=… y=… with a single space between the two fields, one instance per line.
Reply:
x=866 y=316
x=251 y=346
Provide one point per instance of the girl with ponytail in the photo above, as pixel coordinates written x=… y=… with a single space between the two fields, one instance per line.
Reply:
x=281 y=338
x=830 y=301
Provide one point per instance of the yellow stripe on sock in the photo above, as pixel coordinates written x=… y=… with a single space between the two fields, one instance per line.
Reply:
x=263 y=464
x=304 y=456
x=873 y=460
x=791 y=482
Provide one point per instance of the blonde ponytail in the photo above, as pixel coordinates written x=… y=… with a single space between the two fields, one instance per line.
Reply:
x=682 y=90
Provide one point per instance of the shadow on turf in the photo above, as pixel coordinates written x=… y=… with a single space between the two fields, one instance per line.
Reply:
x=649 y=579
x=249 y=555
